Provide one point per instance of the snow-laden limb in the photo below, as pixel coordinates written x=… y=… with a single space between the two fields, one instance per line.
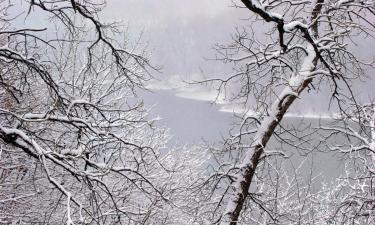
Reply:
x=21 y=140
x=76 y=144
x=96 y=170
x=305 y=48
x=352 y=195
x=250 y=161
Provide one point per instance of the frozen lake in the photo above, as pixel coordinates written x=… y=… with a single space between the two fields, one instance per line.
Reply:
x=192 y=121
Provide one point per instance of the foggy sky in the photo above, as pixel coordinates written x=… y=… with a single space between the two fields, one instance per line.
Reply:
x=180 y=36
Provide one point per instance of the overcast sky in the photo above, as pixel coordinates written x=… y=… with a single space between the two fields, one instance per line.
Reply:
x=181 y=35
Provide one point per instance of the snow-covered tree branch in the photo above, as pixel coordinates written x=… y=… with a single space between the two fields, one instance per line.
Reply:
x=77 y=146
x=351 y=199
x=306 y=46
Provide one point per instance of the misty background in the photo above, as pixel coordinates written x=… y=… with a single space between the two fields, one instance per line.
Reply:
x=180 y=36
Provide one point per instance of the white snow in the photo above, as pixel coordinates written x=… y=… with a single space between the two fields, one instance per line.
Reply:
x=295 y=82
x=292 y=25
x=241 y=110
x=185 y=90
x=76 y=102
x=74 y=152
x=202 y=94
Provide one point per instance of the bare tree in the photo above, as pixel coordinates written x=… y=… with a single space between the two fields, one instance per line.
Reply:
x=351 y=198
x=76 y=145
x=305 y=47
